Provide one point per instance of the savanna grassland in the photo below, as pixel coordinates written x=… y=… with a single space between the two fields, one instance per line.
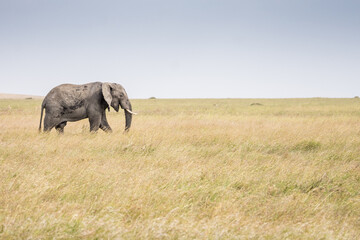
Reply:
x=188 y=169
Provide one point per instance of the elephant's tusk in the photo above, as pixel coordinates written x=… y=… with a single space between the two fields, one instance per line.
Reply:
x=130 y=112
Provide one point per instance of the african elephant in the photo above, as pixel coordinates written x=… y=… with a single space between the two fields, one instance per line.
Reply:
x=69 y=102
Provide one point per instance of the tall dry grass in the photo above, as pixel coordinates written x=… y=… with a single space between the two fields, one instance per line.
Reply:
x=188 y=169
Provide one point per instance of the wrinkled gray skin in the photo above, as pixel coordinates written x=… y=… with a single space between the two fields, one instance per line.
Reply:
x=70 y=103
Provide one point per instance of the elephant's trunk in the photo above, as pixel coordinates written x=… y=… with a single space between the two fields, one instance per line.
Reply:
x=128 y=118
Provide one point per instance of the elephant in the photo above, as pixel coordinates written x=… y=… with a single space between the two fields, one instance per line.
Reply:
x=70 y=103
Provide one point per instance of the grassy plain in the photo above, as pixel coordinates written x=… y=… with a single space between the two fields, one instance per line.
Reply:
x=188 y=169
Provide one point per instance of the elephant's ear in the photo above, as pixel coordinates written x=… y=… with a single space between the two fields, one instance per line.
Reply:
x=106 y=91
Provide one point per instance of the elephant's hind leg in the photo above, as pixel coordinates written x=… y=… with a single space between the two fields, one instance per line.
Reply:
x=49 y=123
x=60 y=127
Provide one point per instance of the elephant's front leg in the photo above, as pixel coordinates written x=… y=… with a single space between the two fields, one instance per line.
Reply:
x=95 y=121
x=104 y=125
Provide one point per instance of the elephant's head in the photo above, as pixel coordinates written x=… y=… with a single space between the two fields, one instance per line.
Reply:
x=116 y=96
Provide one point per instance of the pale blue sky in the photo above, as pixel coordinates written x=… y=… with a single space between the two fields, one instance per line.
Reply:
x=183 y=48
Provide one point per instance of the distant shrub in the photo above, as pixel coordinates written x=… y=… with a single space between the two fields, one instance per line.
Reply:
x=356 y=97
x=307 y=146
x=152 y=97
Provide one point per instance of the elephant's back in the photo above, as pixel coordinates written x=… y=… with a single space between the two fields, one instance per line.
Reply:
x=66 y=95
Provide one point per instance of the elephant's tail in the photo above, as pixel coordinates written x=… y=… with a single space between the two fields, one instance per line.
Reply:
x=42 y=111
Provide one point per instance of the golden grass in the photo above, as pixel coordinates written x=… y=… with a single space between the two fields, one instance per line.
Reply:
x=188 y=169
